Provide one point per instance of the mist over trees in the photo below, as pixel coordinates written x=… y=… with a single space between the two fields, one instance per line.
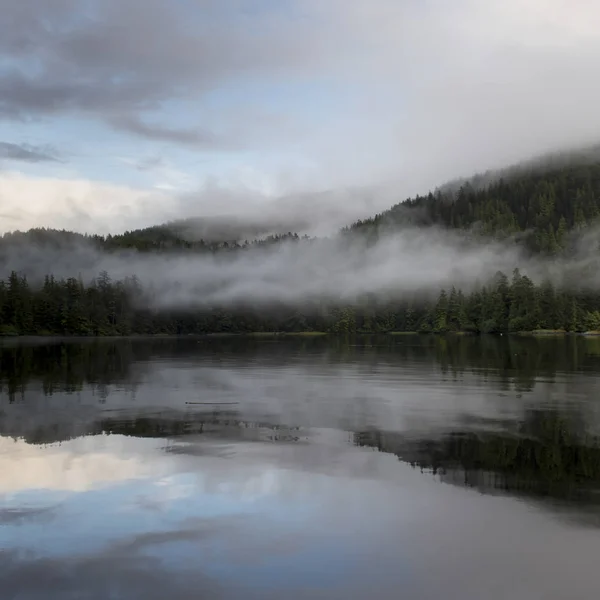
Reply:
x=539 y=215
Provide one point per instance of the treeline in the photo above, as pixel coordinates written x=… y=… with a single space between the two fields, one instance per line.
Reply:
x=106 y=307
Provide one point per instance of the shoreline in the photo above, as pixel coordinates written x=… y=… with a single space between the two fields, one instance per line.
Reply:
x=305 y=334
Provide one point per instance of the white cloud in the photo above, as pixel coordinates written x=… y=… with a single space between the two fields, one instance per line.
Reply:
x=83 y=205
x=76 y=466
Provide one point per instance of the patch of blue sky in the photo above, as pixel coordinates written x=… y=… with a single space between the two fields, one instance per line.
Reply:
x=241 y=9
x=302 y=98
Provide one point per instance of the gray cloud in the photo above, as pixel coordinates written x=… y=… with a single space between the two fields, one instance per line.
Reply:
x=114 y=60
x=247 y=214
x=192 y=137
x=27 y=153
x=149 y=163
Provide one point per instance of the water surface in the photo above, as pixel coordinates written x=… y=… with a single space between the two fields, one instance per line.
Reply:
x=411 y=467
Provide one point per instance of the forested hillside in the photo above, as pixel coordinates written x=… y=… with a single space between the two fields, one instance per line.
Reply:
x=161 y=238
x=542 y=209
x=543 y=205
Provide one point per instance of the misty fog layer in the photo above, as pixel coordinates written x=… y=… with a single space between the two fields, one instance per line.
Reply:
x=340 y=268
x=343 y=268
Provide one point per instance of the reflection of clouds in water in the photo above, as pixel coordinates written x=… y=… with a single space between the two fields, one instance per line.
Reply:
x=320 y=520
x=77 y=465
x=286 y=484
x=253 y=518
x=89 y=463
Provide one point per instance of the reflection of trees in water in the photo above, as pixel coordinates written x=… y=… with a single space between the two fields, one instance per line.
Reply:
x=68 y=366
x=64 y=367
x=549 y=454
x=218 y=424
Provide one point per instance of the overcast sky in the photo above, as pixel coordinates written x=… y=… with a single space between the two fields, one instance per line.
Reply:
x=118 y=114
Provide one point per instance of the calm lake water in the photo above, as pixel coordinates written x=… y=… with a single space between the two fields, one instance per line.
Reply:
x=409 y=467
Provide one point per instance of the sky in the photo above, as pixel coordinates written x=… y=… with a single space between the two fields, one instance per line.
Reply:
x=118 y=114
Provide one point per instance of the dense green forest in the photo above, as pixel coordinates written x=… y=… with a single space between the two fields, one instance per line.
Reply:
x=68 y=307
x=542 y=209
